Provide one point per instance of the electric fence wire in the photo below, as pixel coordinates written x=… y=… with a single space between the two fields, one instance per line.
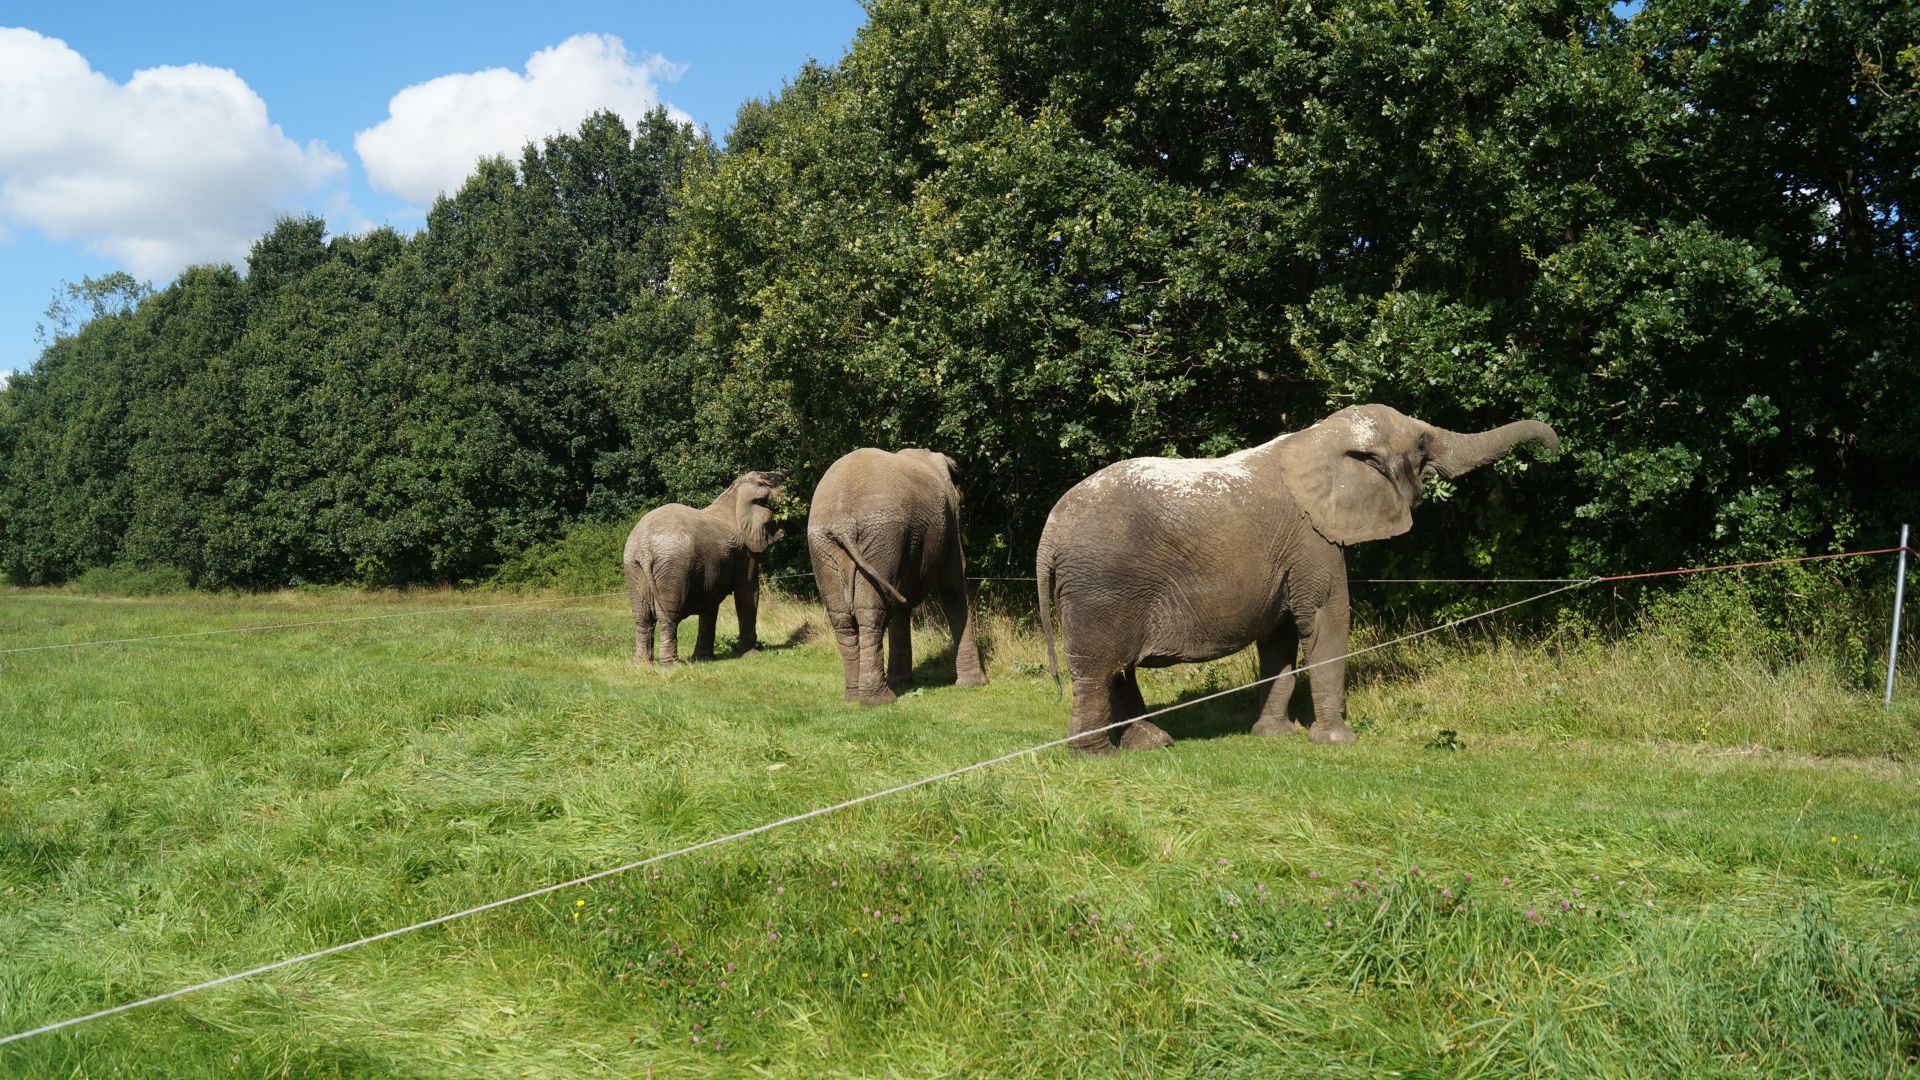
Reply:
x=785 y=575
x=871 y=796
x=741 y=835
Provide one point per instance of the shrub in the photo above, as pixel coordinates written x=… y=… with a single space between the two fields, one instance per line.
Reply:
x=121 y=579
x=583 y=560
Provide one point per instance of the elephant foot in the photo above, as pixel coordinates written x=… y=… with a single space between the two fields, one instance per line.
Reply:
x=751 y=650
x=971 y=679
x=702 y=658
x=1097 y=745
x=1271 y=726
x=1144 y=735
x=900 y=686
x=882 y=696
x=1334 y=734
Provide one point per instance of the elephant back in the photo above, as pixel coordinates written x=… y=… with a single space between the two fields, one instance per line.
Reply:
x=873 y=487
x=677 y=527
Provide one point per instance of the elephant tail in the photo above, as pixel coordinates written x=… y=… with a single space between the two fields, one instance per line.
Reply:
x=640 y=591
x=643 y=569
x=879 y=582
x=1043 y=576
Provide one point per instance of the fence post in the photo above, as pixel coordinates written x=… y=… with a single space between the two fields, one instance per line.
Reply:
x=1899 y=597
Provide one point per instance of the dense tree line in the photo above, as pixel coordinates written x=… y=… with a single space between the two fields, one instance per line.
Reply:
x=1041 y=236
x=379 y=409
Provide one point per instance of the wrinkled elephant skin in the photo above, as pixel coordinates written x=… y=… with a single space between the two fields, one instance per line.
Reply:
x=884 y=534
x=680 y=561
x=1159 y=561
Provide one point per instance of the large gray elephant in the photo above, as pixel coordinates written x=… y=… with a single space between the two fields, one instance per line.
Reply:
x=681 y=561
x=884 y=533
x=1160 y=561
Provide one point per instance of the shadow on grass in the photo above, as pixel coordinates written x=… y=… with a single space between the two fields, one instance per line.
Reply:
x=936 y=670
x=726 y=649
x=795 y=638
x=1234 y=713
x=1229 y=714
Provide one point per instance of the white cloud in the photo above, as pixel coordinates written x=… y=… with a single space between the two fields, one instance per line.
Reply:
x=178 y=165
x=435 y=131
x=345 y=218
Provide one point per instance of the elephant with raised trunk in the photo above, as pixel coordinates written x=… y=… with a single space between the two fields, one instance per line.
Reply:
x=681 y=561
x=884 y=533
x=1160 y=561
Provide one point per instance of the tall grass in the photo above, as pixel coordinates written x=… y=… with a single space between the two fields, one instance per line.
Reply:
x=1742 y=835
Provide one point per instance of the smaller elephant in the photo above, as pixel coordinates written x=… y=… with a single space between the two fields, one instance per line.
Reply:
x=884 y=533
x=681 y=561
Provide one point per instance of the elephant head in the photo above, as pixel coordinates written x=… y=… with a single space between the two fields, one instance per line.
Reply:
x=753 y=494
x=1358 y=473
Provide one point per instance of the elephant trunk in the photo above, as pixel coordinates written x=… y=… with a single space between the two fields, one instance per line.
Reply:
x=1452 y=453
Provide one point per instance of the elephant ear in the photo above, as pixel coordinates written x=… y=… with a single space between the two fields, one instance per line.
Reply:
x=954 y=496
x=753 y=518
x=1347 y=499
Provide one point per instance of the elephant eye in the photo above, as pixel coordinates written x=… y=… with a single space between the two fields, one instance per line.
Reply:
x=1373 y=460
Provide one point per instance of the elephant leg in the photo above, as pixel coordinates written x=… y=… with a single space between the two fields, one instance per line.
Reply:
x=1093 y=708
x=1278 y=652
x=872 y=689
x=1326 y=656
x=746 y=610
x=640 y=599
x=669 y=620
x=900 y=650
x=643 y=627
x=1141 y=734
x=967 y=669
x=703 y=641
x=846 y=634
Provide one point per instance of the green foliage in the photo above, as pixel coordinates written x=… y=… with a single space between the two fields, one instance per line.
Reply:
x=72 y=306
x=1781 y=616
x=121 y=579
x=378 y=409
x=582 y=561
x=1043 y=237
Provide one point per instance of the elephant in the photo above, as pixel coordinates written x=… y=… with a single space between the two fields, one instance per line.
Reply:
x=680 y=561
x=884 y=533
x=1153 y=562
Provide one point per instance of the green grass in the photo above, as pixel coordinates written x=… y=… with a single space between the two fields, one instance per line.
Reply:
x=1745 y=838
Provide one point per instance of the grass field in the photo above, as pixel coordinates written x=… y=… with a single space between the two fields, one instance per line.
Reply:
x=1638 y=864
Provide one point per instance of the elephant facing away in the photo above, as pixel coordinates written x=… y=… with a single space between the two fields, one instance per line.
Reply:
x=681 y=561
x=1160 y=561
x=884 y=533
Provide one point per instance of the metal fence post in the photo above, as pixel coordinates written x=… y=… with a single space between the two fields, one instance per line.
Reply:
x=1899 y=597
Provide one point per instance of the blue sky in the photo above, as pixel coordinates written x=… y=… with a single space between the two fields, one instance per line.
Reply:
x=101 y=170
